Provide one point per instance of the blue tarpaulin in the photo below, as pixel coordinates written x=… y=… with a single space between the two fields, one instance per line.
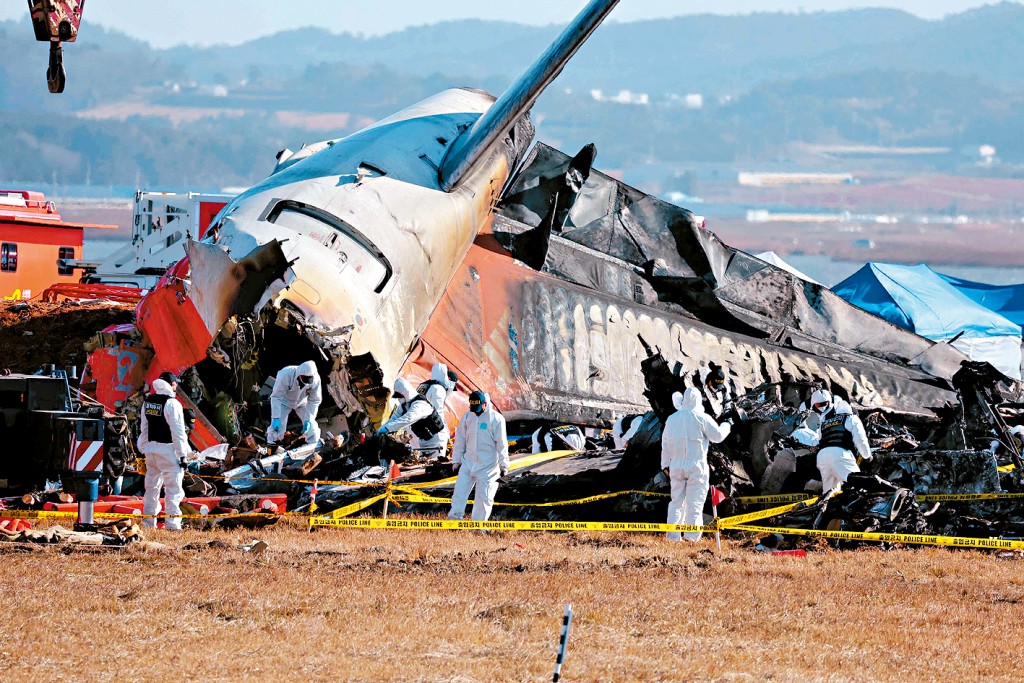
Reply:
x=918 y=299
x=1006 y=300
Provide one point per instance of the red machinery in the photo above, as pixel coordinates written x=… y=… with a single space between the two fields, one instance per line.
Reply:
x=56 y=21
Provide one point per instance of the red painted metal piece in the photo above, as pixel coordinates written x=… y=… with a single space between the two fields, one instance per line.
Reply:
x=107 y=503
x=78 y=290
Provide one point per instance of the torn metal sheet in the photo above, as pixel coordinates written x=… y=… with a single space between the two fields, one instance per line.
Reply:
x=610 y=222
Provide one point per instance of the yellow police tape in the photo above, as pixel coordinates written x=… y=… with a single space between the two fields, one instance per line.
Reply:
x=408 y=495
x=517 y=464
x=777 y=498
x=504 y=525
x=357 y=506
x=728 y=522
x=946 y=497
x=909 y=539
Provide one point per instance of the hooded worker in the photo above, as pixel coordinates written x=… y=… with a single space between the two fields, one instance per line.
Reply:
x=558 y=438
x=839 y=434
x=296 y=388
x=684 y=453
x=417 y=414
x=718 y=397
x=624 y=429
x=436 y=391
x=480 y=456
x=164 y=442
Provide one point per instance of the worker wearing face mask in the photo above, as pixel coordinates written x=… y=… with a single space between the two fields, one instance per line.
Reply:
x=416 y=413
x=840 y=433
x=164 y=442
x=436 y=391
x=480 y=456
x=718 y=397
x=296 y=388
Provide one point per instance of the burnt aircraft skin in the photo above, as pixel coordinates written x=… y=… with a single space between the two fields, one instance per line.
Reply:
x=543 y=316
x=352 y=242
x=549 y=348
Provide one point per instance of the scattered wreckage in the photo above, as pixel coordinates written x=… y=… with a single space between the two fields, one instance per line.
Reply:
x=444 y=234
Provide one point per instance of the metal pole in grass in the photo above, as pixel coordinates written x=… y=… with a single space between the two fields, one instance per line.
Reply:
x=563 y=641
x=716 y=498
x=387 y=499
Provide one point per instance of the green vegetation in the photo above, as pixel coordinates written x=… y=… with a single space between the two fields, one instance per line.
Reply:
x=216 y=116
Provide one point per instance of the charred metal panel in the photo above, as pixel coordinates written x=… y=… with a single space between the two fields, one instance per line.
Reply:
x=691 y=267
x=546 y=347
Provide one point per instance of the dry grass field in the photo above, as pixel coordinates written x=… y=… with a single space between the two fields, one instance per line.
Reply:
x=453 y=606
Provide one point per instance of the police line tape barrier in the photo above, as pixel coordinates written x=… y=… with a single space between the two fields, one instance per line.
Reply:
x=908 y=539
x=947 y=497
x=729 y=522
x=923 y=498
x=777 y=498
x=409 y=495
x=504 y=525
x=517 y=464
x=358 y=506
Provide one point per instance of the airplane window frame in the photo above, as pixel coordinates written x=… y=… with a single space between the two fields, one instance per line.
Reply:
x=330 y=220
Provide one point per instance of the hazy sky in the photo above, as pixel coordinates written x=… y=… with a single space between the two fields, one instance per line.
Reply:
x=170 y=22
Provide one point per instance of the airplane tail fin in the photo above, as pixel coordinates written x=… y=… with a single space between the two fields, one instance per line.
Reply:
x=521 y=95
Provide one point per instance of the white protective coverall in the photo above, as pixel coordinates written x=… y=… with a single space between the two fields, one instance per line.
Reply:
x=409 y=413
x=571 y=439
x=684 y=451
x=437 y=395
x=289 y=395
x=163 y=461
x=624 y=429
x=481 y=451
x=835 y=463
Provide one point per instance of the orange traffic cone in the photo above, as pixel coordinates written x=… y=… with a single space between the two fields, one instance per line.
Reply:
x=395 y=472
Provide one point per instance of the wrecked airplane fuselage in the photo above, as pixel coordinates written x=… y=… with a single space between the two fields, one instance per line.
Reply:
x=366 y=233
x=355 y=243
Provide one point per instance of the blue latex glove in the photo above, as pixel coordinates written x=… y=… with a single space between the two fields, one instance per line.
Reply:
x=306 y=427
x=381 y=431
x=275 y=424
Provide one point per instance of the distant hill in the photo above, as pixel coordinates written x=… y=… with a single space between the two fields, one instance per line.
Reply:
x=217 y=115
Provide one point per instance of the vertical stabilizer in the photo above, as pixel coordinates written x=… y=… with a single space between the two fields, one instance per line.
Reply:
x=521 y=95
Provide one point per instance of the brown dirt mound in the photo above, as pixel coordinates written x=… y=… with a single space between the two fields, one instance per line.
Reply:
x=35 y=333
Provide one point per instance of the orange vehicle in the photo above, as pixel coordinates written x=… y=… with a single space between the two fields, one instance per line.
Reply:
x=33 y=240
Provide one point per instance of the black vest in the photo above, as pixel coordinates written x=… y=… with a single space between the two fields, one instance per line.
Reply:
x=153 y=414
x=425 y=387
x=834 y=432
x=428 y=427
x=559 y=436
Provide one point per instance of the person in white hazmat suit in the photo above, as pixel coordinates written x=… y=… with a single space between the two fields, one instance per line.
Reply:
x=624 y=429
x=684 y=453
x=480 y=456
x=296 y=388
x=164 y=442
x=436 y=391
x=558 y=438
x=417 y=414
x=840 y=432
